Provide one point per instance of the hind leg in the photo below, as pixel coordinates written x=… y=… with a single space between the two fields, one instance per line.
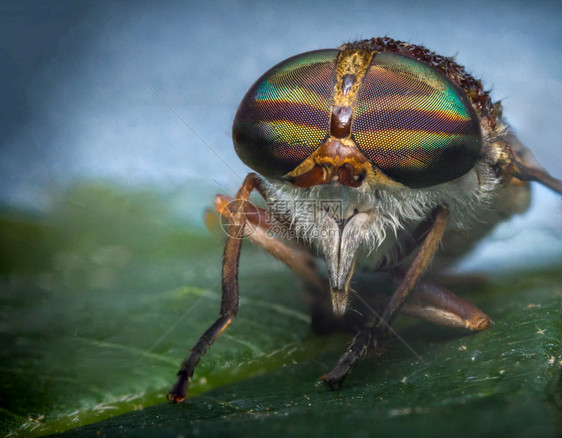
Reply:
x=439 y=305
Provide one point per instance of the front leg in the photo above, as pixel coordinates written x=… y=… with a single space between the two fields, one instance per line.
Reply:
x=370 y=334
x=356 y=350
x=229 y=302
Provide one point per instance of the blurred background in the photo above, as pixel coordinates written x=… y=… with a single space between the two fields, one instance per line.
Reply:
x=115 y=134
x=143 y=94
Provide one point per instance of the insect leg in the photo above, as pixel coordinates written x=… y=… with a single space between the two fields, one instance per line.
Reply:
x=256 y=216
x=229 y=302
x=524 y=173
x=368 y=335
x=518 y=161
x=441 y=306
x=296 y=257
x=416 y=270
x=299 y=259
x=356 y=351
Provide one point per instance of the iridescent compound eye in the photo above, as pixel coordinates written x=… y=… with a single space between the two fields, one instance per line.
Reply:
x=285 y=116
x=414 y=124
x=407 y=119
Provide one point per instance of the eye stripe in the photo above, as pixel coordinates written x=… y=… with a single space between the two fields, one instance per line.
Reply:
x=393 y=85
x=414 y=124
x=290 y=132
x=286 y=114
x=411 y=102
x=270 y=93
x=291 y=112
x=390 y=143
x=428 y=165
x=412 y=120
x=405 y=117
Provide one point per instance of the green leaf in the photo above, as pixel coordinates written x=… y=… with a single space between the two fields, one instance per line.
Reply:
x=101 y=299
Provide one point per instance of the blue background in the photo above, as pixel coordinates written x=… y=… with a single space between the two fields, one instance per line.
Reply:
x=143 y=93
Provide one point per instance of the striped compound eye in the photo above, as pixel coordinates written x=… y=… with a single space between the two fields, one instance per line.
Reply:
x=335 y=109
x=414 y=124
x=285 y=116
